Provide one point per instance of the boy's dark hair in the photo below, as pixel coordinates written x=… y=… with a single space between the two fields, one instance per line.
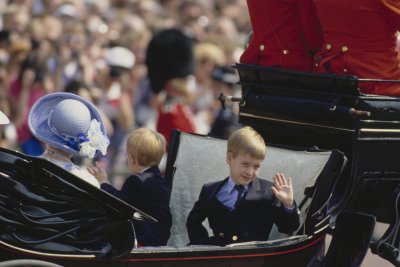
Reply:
x=33 y=63
x=74 y=86
x=5 y=36
x=116 y=71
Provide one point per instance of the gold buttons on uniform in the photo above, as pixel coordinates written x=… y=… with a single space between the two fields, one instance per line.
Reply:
x=234 y=238
x=328 y=46
x=221 y=234
x=345 y=48
x=344 y=70
x=262 y=47
x=285 y=52
x=316 y=65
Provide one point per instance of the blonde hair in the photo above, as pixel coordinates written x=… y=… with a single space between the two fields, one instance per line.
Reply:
x=146 y=146
x=247 y=141
x=209 y=52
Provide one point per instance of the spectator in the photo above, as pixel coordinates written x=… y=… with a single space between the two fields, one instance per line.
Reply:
x=116 y=99
x=71 y=40
x=208 y=57
x=25 y=91
x=225 y=117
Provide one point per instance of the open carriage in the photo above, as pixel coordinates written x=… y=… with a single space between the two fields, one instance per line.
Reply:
x=340 y=147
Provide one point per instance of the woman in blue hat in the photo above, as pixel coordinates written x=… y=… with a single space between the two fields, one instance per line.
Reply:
x=68 y=125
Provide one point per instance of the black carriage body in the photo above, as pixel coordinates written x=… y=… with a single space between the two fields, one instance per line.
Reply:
x=305 y=246
x=306 y=109
x=46 y=212
x=297 y=112
x=329 y=112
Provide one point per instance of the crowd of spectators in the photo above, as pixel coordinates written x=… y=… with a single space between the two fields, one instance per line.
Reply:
x=97 y=49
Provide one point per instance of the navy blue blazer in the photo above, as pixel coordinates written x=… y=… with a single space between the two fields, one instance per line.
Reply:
x=252 y=220
x=149 y=192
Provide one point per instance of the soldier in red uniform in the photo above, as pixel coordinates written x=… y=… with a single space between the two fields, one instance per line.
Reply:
x=361 y=42
x=286 y=34
x=170 y=63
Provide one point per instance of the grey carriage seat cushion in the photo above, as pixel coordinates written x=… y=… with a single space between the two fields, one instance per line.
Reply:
x=202 y=159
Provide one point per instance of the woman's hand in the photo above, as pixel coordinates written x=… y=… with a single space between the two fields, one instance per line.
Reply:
x=98 y=172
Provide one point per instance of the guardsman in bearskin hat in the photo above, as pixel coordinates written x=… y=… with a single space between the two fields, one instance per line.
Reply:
x=286 y=34
x=362 y=42
x=170 y=63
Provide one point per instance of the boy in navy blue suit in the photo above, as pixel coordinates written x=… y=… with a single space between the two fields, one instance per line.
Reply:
x=146 y=189
x=243 y=207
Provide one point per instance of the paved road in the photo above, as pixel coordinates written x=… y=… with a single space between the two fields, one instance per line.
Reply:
x=371 y=260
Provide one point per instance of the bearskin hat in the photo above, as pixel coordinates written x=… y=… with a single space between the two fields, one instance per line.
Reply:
x=169 y=55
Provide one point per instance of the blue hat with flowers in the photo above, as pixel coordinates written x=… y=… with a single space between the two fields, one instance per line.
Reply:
x=70 y=123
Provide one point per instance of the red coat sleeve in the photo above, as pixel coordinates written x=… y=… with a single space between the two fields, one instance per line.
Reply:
x=390 y=10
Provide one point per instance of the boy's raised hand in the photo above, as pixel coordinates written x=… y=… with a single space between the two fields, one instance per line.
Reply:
x=283 y=189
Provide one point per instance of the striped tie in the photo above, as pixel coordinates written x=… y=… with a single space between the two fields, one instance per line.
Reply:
x=241 y=194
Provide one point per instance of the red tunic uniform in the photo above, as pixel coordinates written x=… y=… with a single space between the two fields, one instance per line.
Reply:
x=285 y=34
x=175 y=116
x=360 y=40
